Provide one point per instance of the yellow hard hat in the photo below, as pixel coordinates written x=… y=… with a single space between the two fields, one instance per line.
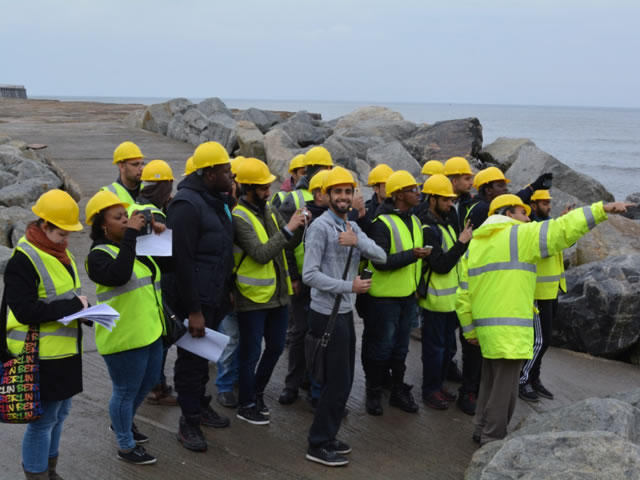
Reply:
x=188 y=167
x=156 y=171
x=318 y=180
x=297 y=162
x=58 y=208
x=432 y=167
x=488 y=175
x=318 y=156
x=399 y=180
x=440 y=185
x=541 y=195
x=126 y=151
x=379 y=174
x=338 y=176
x=235 y=163
x=254 y=172
x=101 y=200
x=457 y=166
x=508 y=200
x=209 y=154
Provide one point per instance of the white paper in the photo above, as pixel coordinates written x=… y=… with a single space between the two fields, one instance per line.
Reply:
x=210 y=346
x=102 y=314
x=155 y=245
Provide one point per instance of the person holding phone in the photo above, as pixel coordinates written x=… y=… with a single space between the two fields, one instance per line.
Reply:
x=437 y=292
x=391 y=304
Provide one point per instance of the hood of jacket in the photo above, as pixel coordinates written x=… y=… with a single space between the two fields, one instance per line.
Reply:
x=494 y=224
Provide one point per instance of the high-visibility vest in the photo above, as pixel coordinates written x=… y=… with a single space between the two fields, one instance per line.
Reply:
x=300 y=198
x=280 y=194
x=550 y=277
x=147 y=206
x=442 y=287
x=139 y=303
x=494 y=302
x=56 y=339
x=121 y=192
x=254 y=280
x=401 y=282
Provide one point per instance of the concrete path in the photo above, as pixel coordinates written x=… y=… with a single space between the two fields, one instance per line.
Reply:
x=428 y=445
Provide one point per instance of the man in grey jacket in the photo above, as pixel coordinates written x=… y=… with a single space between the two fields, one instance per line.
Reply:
x=329 y=239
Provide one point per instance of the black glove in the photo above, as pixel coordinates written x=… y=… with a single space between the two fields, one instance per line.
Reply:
x=543 y=182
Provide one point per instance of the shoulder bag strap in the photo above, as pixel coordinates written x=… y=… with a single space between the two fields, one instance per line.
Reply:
x=336 y=305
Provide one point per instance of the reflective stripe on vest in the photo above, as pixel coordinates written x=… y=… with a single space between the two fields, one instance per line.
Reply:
x=550 y=278
x=139 y=302
x=512 y=264
x=503 y=321
x=147 y=206
x=401 y=282
x=442 y=288
x=255 y=281
x=300 y=198
x=120 y=192
x=55 y=283
x=280 y=194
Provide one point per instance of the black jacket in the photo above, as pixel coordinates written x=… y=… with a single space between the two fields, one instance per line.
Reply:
x=202 y=247
x=480 y=207
x=438 y=260
x=371 y=206
x=381 y=235
x=457 y=217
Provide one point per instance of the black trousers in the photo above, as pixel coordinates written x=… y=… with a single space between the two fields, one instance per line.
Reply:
x=471 y=366
x=297 y=330
x=542 y=340
x=340 y=358
x=191 y=372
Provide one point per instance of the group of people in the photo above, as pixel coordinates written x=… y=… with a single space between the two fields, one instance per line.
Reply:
x=288 y=267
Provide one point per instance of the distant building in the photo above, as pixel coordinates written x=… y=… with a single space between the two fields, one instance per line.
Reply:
x=13 y=91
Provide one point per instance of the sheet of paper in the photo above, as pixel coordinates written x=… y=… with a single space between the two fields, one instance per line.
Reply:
x=102 y=314
x=210 y=346
x=155 y=245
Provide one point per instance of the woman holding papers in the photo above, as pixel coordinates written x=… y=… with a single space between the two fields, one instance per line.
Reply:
x=131 y=285
x=41 y=286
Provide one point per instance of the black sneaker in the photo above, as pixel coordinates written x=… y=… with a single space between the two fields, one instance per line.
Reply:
x=288 y=396
x=325 y=456
x=253 y=416
x=137 y=456
x=402 y=398
x=449 y=397
x=339 y=447
x=190 y=435
x=210 y=418
x=541 y=390
x=527 y=393
x=467 y=402
x=260 y=406
x=138 y=436
x=228 y=399
x=435 y=400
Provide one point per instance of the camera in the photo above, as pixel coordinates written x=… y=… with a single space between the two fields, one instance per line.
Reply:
x=366 y=274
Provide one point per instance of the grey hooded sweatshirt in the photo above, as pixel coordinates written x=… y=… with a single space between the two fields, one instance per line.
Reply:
x=325 y=259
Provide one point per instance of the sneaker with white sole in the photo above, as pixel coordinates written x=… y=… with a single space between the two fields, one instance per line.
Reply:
x=253 y=416
x=138 y=436
x=137 y=456
x=326 y=456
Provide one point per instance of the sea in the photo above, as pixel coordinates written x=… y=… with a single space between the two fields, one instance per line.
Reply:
x=599 y=141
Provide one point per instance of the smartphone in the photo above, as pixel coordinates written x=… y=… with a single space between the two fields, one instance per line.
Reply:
x=366 y=274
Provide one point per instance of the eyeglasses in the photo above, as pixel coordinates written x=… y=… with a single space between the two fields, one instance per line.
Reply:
x=411 y=190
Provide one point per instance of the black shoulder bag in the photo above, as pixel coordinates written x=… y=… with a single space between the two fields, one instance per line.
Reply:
x=316 y=348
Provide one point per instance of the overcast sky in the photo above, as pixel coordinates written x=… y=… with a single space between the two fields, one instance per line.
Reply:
x=562 y=52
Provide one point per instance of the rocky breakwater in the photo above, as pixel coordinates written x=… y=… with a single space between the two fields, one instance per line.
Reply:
x=358 y=141
x=24 y=175
x=597 y=438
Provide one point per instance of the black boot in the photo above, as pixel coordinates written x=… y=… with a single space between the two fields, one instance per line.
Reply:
x=402 y=398
x=374 y=404
x=209 y=417
x=190 y=435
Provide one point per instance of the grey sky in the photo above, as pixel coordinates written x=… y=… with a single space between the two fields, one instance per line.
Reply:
x=504 y=52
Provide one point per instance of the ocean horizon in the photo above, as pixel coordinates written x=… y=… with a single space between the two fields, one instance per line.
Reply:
x=602 y=142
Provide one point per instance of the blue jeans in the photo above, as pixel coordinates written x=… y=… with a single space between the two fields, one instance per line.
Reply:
x=385 y=339
x=42 y=437
x=228 y=361
x=437 y=330
x=133 y=374
x=270 y=324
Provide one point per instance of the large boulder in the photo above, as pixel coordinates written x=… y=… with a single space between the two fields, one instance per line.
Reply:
x=617 y=236
x=599 y=314
x=345 y=150
x=596 y=438
x=367 y=113
x=180 y=105
x=305 y=130
x=389 y=130
x=212 y=105
x=504 y=151
x=444 y=140
x=262 y=119
x=10 y=217
x=5 y=255
x=25 y=193
x=531 y=162
x=177 y=128
x=221 y=129
x=250 y=141
x=280 y=149
x=633 y=212
x=156 y=118
x=394 y=155
x=135 y=119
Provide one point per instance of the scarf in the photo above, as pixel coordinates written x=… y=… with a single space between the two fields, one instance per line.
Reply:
x=37 y=237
